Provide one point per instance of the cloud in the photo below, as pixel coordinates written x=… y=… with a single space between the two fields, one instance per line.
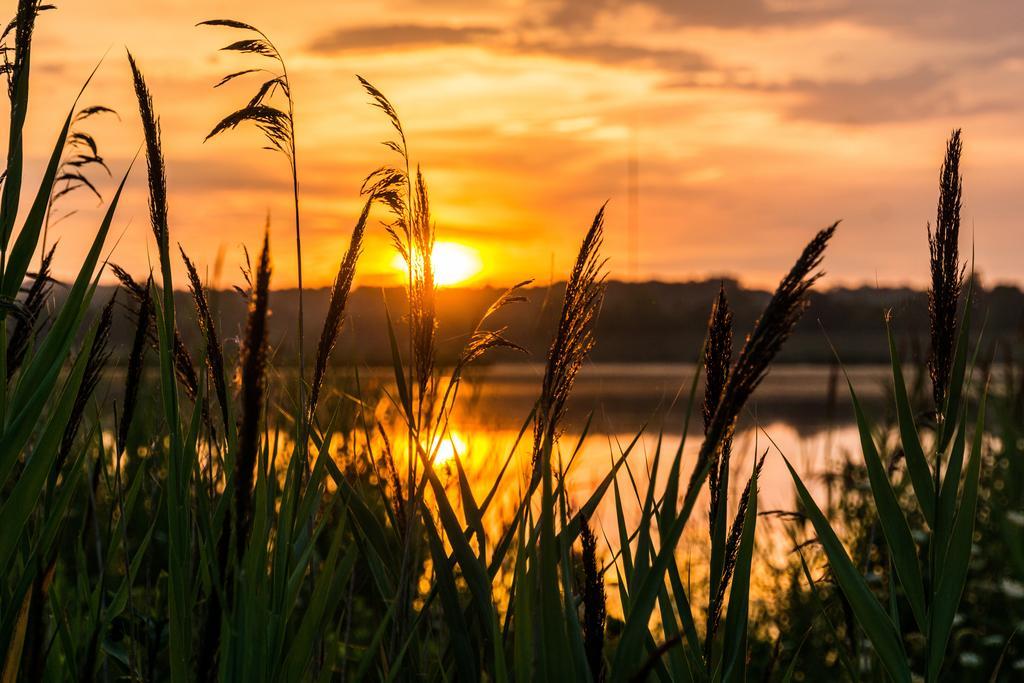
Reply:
x=917 y=94
x=515 y=40
x=396 y=36
x=953 y=19
x=615 y=54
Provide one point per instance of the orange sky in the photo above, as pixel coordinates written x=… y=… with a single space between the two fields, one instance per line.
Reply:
x=754 y=123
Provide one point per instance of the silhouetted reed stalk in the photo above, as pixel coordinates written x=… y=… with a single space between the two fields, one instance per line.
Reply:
x=278 y=128
x=732 y=548
x=81 y=155
x=947 y=273
x=717 y=361
x=184 y=366
x=584 y=292
x=32 y=308
x=214 y=350
x=412 y=235
x=771 y=330
x=594 y=604
x=336 y=307
x=143 y=319
x=253 y=366
x=99 y=354
x=238 y=516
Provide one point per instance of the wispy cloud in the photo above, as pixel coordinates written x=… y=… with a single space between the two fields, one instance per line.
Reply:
x=398 y=36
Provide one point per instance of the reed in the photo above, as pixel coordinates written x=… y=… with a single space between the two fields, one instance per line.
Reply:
x=574 y=338
x=214 y=350
x=336 y=307
x=946 y=271
x=252 y=391
x=30 y=314
x=328 y=556
x=133 y=379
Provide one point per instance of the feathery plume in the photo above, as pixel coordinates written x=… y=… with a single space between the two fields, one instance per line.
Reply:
x=770 y=332
x=574 y=338
x=392 y=476
x=423 y=321
x=99 y=354
x=157 y=173
x=717 y=359
x=214 y=351
x=732 y=549
x=32 y=310
x=184 y=366
x=253 y=366
x=144 y=319
x=947 y=273
x=594 y=604
x=336 y=308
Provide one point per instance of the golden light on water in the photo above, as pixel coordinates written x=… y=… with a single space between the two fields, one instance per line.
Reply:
x=454 y=263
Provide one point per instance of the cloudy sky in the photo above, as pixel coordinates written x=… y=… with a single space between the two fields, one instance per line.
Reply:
x=753 y=123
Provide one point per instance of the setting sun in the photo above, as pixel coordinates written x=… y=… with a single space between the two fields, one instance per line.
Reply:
x=454 y=263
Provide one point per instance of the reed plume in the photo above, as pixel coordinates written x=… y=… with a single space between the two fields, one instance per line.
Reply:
x=393 y=478
x=99 y=354
x=278 y=128
x=214 y=350
x=594 y=604
x=336 y=307
x=237 y=517
x=770 y=332
x=253 y=367
x=422 y=318
x=157 y=172
x=584 y=293
x=84 y=154
x=732 y=548
x=81 y=155
x=31 y=311
x=483 y=340
x=412 y=234
x=22 y=26
x=717 y=360
x=143 y=320
x=184 y=366
x=947 y=273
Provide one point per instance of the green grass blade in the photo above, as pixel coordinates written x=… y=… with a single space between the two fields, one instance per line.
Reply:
x=902 y=548
x=869 y=613
x=734 y=637
x=457 y=629
x=952 y=573
x=917 y=464
x=958 y=371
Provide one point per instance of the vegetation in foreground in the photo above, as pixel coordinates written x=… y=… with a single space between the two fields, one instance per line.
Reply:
x=254 y=531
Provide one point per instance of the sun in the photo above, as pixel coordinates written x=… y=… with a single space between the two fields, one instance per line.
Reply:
x=454 y=263
x=453 y=444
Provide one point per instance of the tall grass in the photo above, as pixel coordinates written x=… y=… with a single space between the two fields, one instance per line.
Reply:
x=234 y=533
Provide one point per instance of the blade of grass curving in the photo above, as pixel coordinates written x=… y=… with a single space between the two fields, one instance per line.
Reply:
x=19 y=256
x=870 y=614
x=902 y=548
x=40 y=374
x=952 y=574
x=21 y=500
x=957 y=374
x=949 y=490
x=457 y=628
x=844 y=657
x=917 y=464
x=734 y=647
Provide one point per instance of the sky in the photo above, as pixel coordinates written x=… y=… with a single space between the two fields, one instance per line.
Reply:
x=751 y=123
